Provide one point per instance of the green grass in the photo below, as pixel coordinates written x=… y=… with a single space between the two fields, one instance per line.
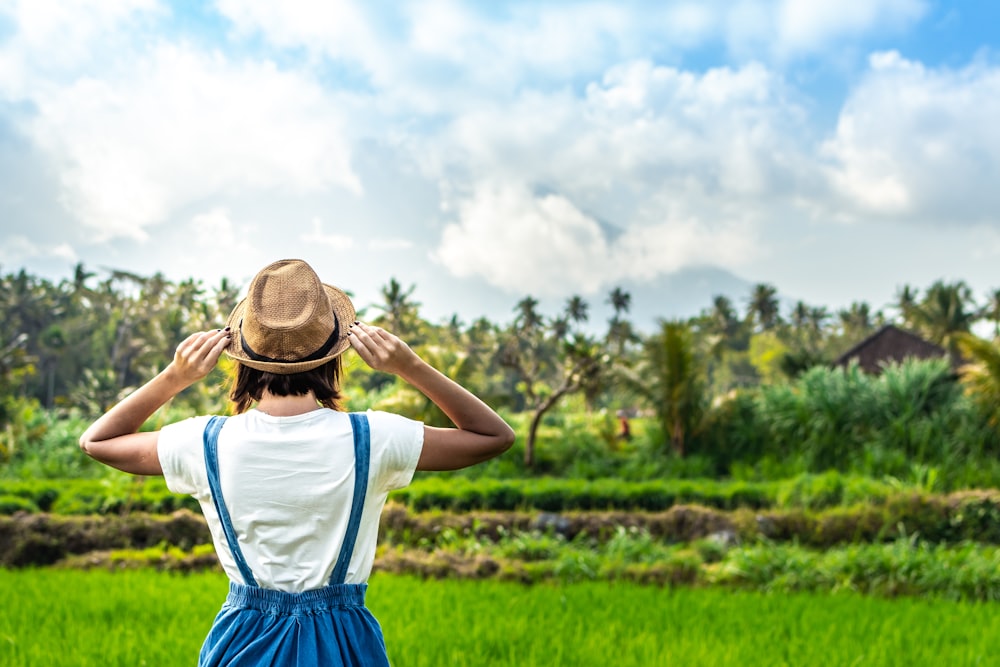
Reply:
x=52 y=618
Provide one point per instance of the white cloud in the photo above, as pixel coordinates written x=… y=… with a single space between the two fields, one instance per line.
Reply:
x=15 y=250
x=787 y=29
x=56 y=37
x=214 y=227
x=390 y=244
x=538 y=245
x=807 y=26
x=920 y=143
x=181 y=125
x=338 y=29
x=545 y=245
x=642 y=126
x=651 y=170
x=318 y=236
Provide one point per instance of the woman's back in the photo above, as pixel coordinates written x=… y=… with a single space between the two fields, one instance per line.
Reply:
x=288 y=483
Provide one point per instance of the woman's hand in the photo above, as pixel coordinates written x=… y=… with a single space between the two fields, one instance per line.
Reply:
x=198 y=354
x=381 y=350
x=480 y=434
x=113 y=439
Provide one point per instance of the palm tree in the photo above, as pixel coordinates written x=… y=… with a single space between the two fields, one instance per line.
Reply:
x=527 y=318
x=620 y=301
x=226 y=296
x=620 y=332
x=981 y=375
x=991 y=311
x=723 y=316
x=576 y=310
x=800 y=315
x=906 y=303
x=818 y=316
x=670 y=378
x=763 y=307
x=399 y=311
x=856 y=320
x=947 y=310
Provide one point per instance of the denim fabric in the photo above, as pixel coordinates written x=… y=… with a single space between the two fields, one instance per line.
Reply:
x=327 y=626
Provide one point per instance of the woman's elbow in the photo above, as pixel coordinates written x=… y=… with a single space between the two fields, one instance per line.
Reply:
x=87 y=445
x=505 y=439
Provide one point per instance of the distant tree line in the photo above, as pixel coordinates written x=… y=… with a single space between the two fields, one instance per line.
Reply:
x=84 y=341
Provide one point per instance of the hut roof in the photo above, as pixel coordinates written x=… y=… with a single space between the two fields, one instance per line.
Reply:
x=889 y=344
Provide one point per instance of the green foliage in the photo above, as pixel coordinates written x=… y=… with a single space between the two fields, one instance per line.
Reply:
x=903 y=567
x=981 y=376
x=910 y=419
x=552 y=494
x=112 y=494
x=78 y=345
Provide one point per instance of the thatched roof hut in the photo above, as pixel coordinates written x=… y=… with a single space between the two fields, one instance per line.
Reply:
x=887 y=345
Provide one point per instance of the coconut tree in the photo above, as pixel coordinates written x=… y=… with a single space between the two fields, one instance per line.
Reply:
x=576 y=310
x=620 y=301
x=946 y=311
x=991 y=311
x=527 y=317
x=857 y=320
x=400 y=312
x=670 y=378
x=620 y=331
x=224 y=298
x=763 y=309
x=907 y=298
x=981 y=375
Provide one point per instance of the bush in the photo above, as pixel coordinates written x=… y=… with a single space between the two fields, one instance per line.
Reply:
x=10 y=504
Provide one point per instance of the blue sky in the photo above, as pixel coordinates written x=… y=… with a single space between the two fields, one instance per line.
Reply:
x=485 y=151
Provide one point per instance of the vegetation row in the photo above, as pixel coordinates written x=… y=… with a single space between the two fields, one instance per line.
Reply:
x=120 y=494
x=966 y=571
x=44 y=539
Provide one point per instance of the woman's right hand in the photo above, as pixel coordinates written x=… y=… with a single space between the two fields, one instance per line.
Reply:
x=198 y=354
x=480 y=434
x=382 y=350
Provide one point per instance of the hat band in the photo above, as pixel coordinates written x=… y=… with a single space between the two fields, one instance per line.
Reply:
x=318 y=354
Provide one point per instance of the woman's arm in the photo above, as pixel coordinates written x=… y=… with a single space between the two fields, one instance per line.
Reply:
x=113 y=439
x=481 y=433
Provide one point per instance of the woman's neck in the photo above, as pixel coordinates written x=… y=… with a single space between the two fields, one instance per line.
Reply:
x=287 y=406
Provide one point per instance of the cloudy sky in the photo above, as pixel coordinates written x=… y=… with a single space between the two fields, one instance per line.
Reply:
x=484 y=151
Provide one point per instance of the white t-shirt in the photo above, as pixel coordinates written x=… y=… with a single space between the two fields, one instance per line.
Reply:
x=288 y=484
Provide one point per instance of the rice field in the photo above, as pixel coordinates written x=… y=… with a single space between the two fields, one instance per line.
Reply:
x=129 y=618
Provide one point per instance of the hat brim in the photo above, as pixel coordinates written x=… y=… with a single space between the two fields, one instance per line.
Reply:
x=343 y=311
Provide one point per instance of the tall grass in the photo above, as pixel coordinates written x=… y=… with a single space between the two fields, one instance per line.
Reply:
x=56 y=618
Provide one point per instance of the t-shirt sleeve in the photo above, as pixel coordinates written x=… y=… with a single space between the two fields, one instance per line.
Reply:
x=396 y=445
x=180 y=448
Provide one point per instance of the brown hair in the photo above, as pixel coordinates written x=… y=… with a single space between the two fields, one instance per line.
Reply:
x=249 y=385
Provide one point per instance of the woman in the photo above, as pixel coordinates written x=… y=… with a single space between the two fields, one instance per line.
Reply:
x=291 y=488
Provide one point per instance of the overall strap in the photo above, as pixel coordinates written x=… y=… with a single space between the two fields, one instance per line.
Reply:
x=212 y=468
x=362 y=446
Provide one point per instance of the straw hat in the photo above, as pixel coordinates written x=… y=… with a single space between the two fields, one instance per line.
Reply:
x=289 y=321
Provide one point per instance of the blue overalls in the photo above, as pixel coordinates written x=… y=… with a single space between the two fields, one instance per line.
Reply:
x=324 y=626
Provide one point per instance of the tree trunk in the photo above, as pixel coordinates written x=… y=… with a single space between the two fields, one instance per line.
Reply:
x=536 y=419
x=677 y=438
